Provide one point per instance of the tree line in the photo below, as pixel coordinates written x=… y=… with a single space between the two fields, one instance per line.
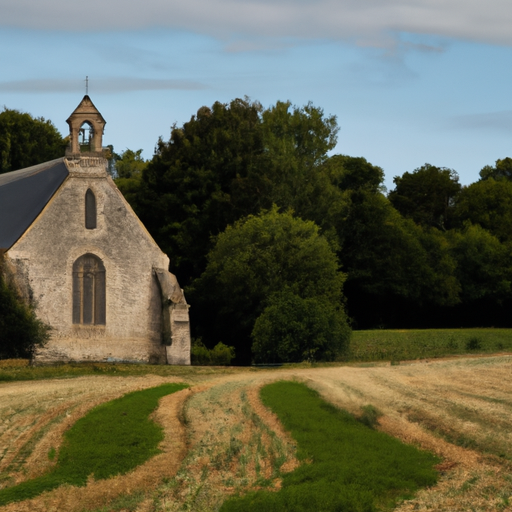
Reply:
x=282 y=246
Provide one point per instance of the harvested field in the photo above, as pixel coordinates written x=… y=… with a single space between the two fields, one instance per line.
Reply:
x=35 y=414
x=220 y=439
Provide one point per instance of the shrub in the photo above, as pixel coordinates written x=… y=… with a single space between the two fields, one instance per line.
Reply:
x=220 y=355
x=199 y=354
x=21 y=332
x=293 y=329
x=473 y=343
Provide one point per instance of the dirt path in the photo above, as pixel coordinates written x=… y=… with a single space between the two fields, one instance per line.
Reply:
x=234 y=444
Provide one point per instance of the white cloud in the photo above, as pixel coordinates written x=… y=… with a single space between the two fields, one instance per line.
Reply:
x=370 y=22
x=98 y=85
x=496 y=121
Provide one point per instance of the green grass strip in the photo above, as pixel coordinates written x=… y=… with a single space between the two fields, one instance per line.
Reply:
x=408 y=344
x=20 y=369
x=112 y=439
x=349 y=467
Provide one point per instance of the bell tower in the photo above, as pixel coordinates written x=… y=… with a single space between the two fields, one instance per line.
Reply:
x=86 y=126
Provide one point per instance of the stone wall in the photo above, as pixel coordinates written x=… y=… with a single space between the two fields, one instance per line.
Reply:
x=43 y=258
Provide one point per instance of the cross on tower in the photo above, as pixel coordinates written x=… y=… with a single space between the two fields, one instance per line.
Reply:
x=87 y=85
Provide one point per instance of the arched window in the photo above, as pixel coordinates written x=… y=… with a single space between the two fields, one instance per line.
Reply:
x=89 y=291
x=90 y=209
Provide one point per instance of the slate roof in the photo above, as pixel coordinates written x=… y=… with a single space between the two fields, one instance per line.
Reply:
x=23 y=195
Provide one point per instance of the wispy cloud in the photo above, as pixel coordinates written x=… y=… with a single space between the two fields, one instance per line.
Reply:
x=252 y=44
x=132 y=55
x=367 y=21
x=496 y=121
x=422 y=47
x=101 y=85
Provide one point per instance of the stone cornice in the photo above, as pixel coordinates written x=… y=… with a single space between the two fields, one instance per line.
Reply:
x=87 y=166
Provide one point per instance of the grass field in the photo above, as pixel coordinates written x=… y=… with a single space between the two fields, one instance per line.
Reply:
x=20 y=369
x=365 y=346
x=406 y=345
x=220 y=440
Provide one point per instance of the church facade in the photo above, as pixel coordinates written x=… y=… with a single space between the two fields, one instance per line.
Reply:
x=76 y=250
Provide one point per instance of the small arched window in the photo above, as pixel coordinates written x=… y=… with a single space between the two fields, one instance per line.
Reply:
x=90 y=209
x=89 y=303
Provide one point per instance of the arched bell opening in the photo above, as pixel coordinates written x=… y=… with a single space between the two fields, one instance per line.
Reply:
x=86 y=137
x=86 y=127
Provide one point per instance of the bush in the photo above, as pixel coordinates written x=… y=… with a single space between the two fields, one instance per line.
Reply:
x=473 y=343
x=257 y=257
x=21 y=332
x=293 y=329
x=220 y=355
x=199 y=354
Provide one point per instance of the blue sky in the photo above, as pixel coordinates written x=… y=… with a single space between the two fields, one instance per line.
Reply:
x=410 y=81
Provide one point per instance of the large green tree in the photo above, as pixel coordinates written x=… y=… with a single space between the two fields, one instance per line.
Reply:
x=296 y=142
x=229 y=161
x=127 y=169
x=129 y=164
x=427 y=195
x=501 y=170
x=484 y=265
x=26 y=141
x=354 y=173
x=198 y=182
x=488 y=203
x=252 y=261
x=393 y=265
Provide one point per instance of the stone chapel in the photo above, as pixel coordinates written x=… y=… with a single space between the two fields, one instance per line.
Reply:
x=76 y=250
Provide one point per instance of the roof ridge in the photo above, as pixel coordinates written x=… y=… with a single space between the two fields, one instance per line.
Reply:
x=9 y=177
